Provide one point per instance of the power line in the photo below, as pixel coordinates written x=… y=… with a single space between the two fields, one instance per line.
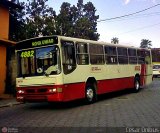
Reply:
x=141 y=28
x=137 y=16
x=129 y=14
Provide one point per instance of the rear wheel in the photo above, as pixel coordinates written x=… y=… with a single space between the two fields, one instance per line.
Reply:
x=136 y=84
x=91 y=95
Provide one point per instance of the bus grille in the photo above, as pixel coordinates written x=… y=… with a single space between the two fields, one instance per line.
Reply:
x=36 y=99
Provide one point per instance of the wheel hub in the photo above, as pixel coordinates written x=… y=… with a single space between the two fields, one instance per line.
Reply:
x=137 y=85
x=90 y=94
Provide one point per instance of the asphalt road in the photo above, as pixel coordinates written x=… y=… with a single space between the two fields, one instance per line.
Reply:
x=114 y=112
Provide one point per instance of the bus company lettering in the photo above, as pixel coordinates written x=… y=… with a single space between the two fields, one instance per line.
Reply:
x=42 y=42
x=137 y=68
x=95 y=69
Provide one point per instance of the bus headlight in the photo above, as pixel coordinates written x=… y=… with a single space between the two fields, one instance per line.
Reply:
x=20 y=91
x=55 y=90
x=52 y=90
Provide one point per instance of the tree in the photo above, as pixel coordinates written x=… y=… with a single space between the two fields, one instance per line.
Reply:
x=78 y=21
x=115 y=40
x=17 y=23
x=40 y=19
x=145 y=43
x=34 y=20
x=90 y=22
x=64 y=23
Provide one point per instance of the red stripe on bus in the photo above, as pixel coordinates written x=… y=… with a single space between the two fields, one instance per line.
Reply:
x=75 y=91
x=111 y=85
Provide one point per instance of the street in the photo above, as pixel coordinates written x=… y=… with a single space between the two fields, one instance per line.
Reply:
x=123 y=109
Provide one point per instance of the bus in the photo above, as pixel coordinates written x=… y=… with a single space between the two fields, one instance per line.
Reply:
x=156 y=61
x=156 y=69
x=61 y=69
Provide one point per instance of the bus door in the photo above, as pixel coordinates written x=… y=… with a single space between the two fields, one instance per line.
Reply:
x=141 y=61
x=148 y=67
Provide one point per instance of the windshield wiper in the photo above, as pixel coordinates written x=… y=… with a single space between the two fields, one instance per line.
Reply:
x=51 y=69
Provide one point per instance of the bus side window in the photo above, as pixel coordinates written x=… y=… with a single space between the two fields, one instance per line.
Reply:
x=132 y=56
x=96 y=54
x=122 y=55
x=82 y=54
x=141 y=56
x=110 y=55
x=68 y=56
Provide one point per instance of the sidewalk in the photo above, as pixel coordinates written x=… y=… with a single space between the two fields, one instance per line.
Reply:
x=8 y=100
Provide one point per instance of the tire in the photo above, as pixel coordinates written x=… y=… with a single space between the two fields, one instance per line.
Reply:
x=136 y=84
x=90 y=94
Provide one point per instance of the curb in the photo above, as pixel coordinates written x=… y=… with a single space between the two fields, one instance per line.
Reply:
x=10 y=104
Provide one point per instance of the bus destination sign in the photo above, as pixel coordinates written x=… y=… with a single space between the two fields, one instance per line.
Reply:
x=42 y=42
x=37 y=42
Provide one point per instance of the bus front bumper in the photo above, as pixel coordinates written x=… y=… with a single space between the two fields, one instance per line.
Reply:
x=57 y=97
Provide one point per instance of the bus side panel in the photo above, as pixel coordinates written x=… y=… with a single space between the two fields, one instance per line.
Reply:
x=146 y=74
x=111 y=85
x=143 y=73
x=73 y=91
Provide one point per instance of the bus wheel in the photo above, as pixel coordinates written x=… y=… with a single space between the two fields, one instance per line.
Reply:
x=136 y=84
x=91 y=95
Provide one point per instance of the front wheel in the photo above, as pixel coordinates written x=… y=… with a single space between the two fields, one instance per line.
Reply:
x=136 y=84
x=91 y=95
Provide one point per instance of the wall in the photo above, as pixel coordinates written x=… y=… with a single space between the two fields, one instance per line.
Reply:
x=2 y=68
x=4 y=29
x=4 y=22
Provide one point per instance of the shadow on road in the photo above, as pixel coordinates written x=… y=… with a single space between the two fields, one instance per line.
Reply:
x=76 y=103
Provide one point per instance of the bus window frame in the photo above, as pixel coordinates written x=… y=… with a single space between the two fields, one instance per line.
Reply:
x=71 y=65
x=132 y=56
x=121 y=55
x=82 y=58
x=141 y=55
x=96 y=54
x=148 y=56
x=110 y=58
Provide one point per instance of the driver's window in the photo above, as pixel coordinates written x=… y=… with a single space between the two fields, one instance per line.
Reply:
x=68 y=56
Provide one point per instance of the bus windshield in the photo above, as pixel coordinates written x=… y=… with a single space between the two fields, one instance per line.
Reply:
x=39 y=61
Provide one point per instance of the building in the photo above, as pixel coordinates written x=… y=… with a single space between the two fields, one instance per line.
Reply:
x=155 y=54
x=5 y=5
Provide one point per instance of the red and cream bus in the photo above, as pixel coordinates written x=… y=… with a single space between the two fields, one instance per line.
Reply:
x=59 y=69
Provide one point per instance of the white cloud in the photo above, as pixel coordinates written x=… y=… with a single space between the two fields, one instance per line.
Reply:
x=128 y=1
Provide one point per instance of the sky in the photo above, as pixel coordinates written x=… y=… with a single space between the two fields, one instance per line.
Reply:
x=129 y=30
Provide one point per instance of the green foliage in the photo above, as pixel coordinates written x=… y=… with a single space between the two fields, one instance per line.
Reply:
x=80 y=21
x=115 y=40
x=145 y=43
x=38 y=19
x=17 y=24
x=64 y=24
